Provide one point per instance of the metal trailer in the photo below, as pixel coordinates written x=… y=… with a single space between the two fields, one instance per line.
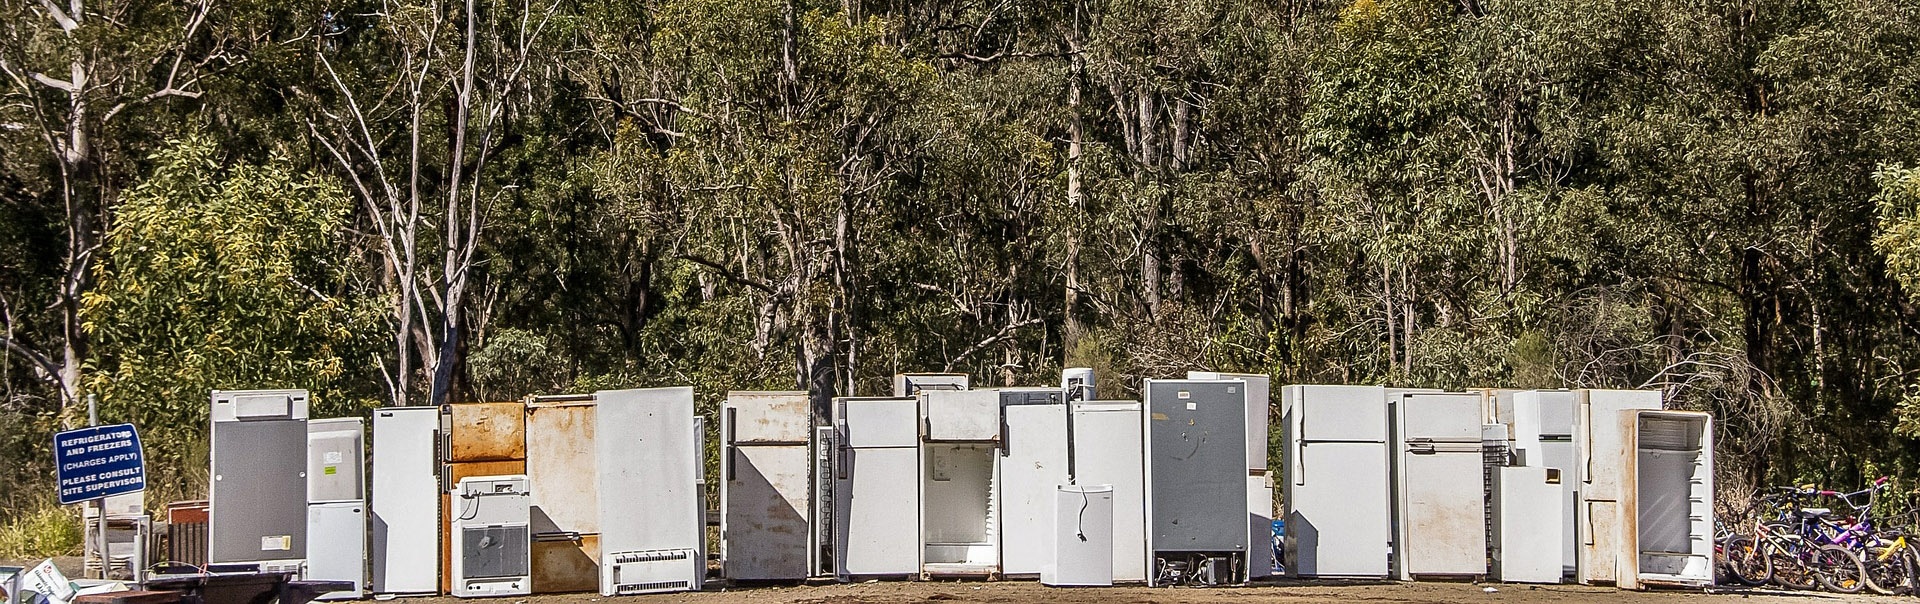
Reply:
x=1604 y=480
x=1336 y=481
x=406 y=501
x=876 y=489
x=960 y=482
x=336 y=504
x=1439 y=501
x=1259 y=509
x=1196 y=481
x=652 y=508
x=1079 y=548
x=258 y=504
x=765 y=491
x=909 y=384
x=492 y=537
x=1109 y=448
x=1667 y=510
x=1033 y=465
x=564 y=477
x=1528 y=534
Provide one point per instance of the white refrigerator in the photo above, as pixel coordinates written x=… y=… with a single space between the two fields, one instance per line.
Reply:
x=1439 y=501
x=1543 y=423
x=652 y=511
x=876 y=490
x=405 y=518
x=336 y=504
x=1336 y=481
x=1603 y=443
x=765 y=501
x=1033 y=465
x=1109 y=449
x=1668 y=511
x=959 y=483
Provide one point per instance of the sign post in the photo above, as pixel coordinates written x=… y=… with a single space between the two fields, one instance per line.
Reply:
x=96 y=462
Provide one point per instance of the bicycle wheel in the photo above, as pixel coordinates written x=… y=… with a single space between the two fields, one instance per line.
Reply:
x=1889 y=570
x=1791 y=565
x=1747 y=562
x=1839 y=570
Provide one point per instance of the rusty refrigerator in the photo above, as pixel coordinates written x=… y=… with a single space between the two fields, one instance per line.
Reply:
x=765 y=491
x=563 y=475
x=1604 y=479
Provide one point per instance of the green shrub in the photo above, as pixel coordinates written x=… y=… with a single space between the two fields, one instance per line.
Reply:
x=43 y=532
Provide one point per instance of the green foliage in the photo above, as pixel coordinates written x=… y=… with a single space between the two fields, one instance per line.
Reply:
x=1898 y=233
x=41 y=531
x=222 y=278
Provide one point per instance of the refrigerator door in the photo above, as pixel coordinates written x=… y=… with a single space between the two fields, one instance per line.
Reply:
x=1528 y=534
x=335 y=458
x=564 y=479
x=1337 y=511
x=1108 y=449
x=650 y=468
x=1259 y=405
x=878 y=422
x=1196 y=466
x=1032 y=469
x=764 y=510
x=338 y=550
x=961 y=415
x=767 y=417
x=258 y=505
x=1603 y=440
x=877 y=511
x=406 y=501
x=1336 y=413
x=1440 y=504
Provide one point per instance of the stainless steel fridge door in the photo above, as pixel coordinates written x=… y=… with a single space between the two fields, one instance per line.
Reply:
x=406 y=501
x=764 y=510
x=877 y=511
x=1031 y=472
x=1342 y=495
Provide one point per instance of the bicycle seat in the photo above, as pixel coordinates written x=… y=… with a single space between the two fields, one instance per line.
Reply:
x=1815 y=512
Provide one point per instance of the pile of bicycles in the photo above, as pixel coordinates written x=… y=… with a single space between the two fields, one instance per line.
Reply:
x=1787 y=540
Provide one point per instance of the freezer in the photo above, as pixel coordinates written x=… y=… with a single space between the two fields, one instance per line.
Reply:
x=1032 y=468
x=1439 y=501
x=1196 y=481
x=405 y=547
x=1603 y=442
x=1108 y=450
x=765 y=497
x=1668 y=505
x=336 y=455
x=876 y=489
x=1336 y=483
x=961 y=415
x=257 y=509
x=652 y=509
x=565 y=505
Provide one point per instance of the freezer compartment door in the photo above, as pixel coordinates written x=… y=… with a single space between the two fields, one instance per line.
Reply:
x=1337 y=515
x=335 y=459
x=1453 y=416
x=1034 y=466
x=961 y=415
x=877 y=512
x=764 y=510
x=1336 y=413
x=767 y=417
x=878 y=422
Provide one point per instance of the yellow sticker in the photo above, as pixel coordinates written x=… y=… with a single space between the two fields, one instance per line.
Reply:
x=330 y=470
x=1159 y=417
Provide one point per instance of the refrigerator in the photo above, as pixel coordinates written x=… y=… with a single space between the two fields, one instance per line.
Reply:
x=1079 y=549
x=336 y=504
x=257 y=507
x=564 y=477
x=766 y=490
x=1336 y=480
x=1543 y=423
x=876 y=490
x=405 y=507
x=1108 y=450
x=960 y=483
x=1033 y=465
x=1528 y=536
x=1668 y=523
x=1259 y=509
x=909 y=384
x=1439 y=502
x=1196 y=481
x=491 y=537
x=1603 y=469
x=652 y=509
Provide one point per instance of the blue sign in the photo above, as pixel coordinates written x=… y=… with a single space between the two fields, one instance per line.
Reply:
x=97 y=462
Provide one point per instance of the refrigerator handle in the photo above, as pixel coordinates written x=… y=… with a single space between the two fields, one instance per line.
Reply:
x=731 y=453
x=1298 y=467
x=733 y=424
